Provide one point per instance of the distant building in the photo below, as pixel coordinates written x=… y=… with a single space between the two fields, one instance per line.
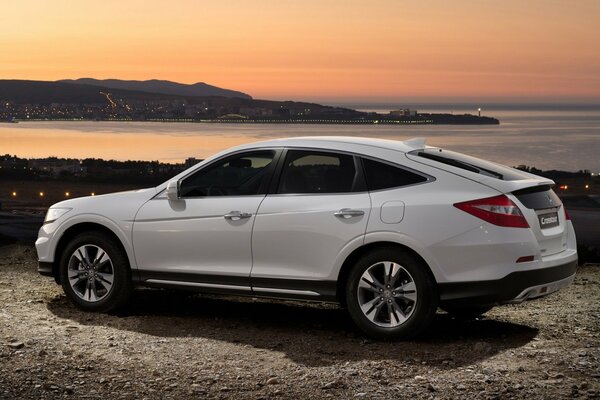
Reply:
x=403 y=112
x=256 y=111
x=190 y=162
x=55 y=166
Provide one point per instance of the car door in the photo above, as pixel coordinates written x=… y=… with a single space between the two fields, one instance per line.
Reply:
x=319 y=206
x=205 y=235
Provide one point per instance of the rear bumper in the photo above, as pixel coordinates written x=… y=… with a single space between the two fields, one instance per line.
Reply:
x=513 y=288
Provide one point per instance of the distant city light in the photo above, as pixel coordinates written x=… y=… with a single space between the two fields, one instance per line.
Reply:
x=587 y=186
x=564 y=187
x=41 y=194
x=14 y=194
x=67 y=194
x=93 y=194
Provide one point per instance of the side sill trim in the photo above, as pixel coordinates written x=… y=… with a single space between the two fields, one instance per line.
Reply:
x=294 y=289
x=199 y=285
x=286 y=291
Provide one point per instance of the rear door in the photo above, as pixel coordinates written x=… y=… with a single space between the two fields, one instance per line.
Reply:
x=320 y=204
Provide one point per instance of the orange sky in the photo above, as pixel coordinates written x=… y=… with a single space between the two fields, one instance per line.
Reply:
x=305 y=49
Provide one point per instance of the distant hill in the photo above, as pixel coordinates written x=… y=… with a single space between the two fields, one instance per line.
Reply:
x=199 y=89
x=71 y=101
x=43 y=92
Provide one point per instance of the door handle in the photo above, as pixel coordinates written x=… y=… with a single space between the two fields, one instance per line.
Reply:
x=348 y=213
x=236 y=215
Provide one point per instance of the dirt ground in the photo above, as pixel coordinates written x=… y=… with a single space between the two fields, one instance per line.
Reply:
x=170 y=345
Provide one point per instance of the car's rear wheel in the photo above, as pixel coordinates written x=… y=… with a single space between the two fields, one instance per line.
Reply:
x=390 y=294
x=470 y=312
x=95 y=272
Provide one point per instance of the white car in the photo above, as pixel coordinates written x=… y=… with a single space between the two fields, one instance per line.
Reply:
x=389 y=229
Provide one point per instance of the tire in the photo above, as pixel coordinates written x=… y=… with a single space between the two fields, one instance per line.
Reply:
x=412 y=295
x=466 y=313
x=100 y=283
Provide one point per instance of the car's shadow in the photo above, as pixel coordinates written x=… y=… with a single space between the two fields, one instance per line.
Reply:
x=308 y=334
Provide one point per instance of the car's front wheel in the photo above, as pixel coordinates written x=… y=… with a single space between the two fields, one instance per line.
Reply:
x=390 y=294
x=95 y=272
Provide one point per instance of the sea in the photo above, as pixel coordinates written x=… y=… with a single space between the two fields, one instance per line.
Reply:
x=546 y=137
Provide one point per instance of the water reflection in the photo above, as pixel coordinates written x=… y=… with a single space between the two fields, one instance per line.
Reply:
x=560 y=140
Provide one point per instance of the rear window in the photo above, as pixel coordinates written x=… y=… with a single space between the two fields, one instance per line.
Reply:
x=385 y=176
x=472 y=164
x=538 y=198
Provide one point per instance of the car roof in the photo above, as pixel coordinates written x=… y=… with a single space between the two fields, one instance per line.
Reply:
x=331 y=142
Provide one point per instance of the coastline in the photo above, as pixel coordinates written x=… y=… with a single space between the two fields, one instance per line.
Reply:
x=421 y=119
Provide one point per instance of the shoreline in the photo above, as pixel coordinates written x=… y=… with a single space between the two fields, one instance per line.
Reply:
x=456 y=118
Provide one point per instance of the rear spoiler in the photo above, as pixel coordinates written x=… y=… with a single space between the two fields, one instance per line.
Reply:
x=514 y=186
x=417 y=143
x=523 y=180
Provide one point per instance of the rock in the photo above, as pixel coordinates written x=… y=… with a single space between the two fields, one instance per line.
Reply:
x=461 y=387
x=431 y=388
x=333 y=385
x=16 y=345
x=419 y=378
x=273 y=381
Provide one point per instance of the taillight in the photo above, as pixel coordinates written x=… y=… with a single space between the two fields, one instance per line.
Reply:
x=498 y=210
x=567 y=216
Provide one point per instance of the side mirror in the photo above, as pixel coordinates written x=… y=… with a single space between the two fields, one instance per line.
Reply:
x=172 y=190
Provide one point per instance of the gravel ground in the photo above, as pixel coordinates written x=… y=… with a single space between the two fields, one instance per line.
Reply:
x=171 y=345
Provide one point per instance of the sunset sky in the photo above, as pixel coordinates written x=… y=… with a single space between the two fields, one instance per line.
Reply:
x=316 y=50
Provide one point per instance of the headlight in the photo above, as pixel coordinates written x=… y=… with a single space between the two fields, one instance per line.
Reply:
x=55 y=213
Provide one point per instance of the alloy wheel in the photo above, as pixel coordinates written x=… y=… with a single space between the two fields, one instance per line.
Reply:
x=387 y=294
x=91 y=273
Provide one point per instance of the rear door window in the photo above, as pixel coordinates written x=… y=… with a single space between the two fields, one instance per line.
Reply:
x=308 y=171
x=381 y=175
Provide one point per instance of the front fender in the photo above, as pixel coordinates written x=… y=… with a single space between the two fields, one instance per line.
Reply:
x=50 y=235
